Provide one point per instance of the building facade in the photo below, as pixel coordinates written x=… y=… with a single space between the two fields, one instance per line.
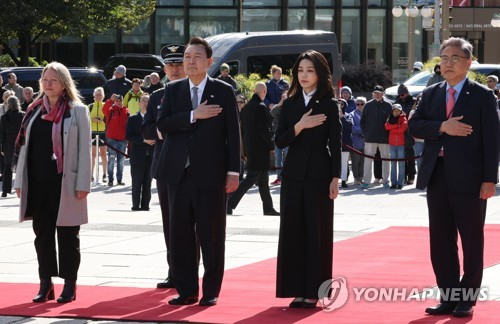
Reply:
x=366 y=29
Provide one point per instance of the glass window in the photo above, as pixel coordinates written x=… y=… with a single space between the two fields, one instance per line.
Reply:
x=213 y=2
x=298 y=3
x=208 y=22
x=139 y=34
x=169 y=27
x=324 y=19
x=487 y=3
x=350 y=3
x=325 y=3
x=297 y=19
x=376 y=35
x=261 y=3
x=378 y=3
x=261 y=19
x=170 y=3
x=350 y=36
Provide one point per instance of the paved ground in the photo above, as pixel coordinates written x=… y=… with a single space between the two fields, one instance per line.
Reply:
x=125 y=248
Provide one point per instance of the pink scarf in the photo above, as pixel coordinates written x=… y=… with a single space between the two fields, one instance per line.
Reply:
x=55 y=115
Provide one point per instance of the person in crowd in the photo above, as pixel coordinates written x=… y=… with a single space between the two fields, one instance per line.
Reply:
x=346 y=94
x=118 y=84
x=241 y=101
x=417 y=67
x=52 y=161
x=310 y=126
x=347 y=125
x=141 y=156
x=276 y=85
x=133 y=96
x=407 y=103
x=459 y=122
x=3 y=110
x=226 y=77
x=2 y=90
x=279 y=154
x=418 y=147
x=173 y=56
x=116 y=116
x=13 y=86
x=200 y=163
x=397 y=125
x=10 y=123
x=436 y=76
x=491 y=81
x=28 y=95
x=146 y=83
x=98 y=125
x=257 y=138
x=372 y=124
x=358 y=142
x=155 y=83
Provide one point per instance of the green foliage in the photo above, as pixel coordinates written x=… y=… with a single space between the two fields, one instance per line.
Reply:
x=6 y=61
x=363 y=77
x=246 y=84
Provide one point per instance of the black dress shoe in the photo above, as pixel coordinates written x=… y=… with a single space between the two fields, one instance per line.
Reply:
x=208 y=301
x=441 y=309
x=69 y=292
x=309 y=303
x=168 y=283
x=296 y=303
x=46 y=291
x=463 y=310
x=183 y=300
x=272 y=213
x=135 y=208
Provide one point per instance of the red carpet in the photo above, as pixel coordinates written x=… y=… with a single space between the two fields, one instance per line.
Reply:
x=397 y=257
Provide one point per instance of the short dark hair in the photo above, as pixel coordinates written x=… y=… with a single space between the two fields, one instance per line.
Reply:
x=460 y=43
x=201 y=42
x=136 y=80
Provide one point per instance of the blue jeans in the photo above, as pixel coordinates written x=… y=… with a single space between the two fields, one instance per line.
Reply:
x=397 y=175
x=112 y=155
x=279 y=159
x=418 y=148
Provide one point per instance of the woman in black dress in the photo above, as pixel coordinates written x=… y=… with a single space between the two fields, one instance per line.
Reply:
x=309 y=124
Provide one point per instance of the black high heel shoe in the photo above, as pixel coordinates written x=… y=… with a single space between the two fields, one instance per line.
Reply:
x=46 y=291
x=69 y=292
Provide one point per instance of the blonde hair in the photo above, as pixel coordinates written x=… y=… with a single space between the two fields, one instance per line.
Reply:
x=275 y=68
x=99 y=89
x=65 y=79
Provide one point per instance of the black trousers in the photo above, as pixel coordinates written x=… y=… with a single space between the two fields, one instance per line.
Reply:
x=305 y=248
x=163 y=198
x=451 y=214
x=410 y=169
x=7 y=178
x=141 y=184
x=261 y=178
x=43 y=204
x=377 y=166
x=197 y=216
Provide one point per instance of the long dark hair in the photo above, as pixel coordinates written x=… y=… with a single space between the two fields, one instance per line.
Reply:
x=325 y=86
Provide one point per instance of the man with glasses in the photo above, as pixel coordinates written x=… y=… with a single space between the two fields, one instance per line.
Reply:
x=458 y=120
x=407 y=102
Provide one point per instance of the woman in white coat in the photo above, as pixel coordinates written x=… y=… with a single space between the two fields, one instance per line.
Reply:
x=52 y=161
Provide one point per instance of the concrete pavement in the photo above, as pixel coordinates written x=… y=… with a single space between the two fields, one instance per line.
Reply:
x=125 y=248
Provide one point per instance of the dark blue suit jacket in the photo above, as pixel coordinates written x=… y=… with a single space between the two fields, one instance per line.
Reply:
x=149 y=127
x=139 y=151
x=471 y=160
x=213 y=144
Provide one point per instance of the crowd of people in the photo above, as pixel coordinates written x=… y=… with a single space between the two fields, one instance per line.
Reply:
x=206 y=145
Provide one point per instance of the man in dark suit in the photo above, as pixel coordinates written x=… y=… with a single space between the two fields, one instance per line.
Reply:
x=257 y=135
x=458 y=120
x=172 y=55
x=200 y=162
x=141 y=156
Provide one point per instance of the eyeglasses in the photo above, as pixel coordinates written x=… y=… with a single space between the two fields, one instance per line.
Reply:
x=240 y=102
x=402 y=95
x=453 y=59
x=360 y=104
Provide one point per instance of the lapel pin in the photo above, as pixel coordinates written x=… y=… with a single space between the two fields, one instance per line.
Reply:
x=467 y=92
x=211 y=96
x=317 y=101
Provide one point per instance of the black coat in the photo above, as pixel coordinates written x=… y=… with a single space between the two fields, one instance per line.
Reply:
x=468 y=160
x=256 y=134
x=149 y=128
x=213 y=144
x=139 y=151
x=10 y=123
x=316 y=153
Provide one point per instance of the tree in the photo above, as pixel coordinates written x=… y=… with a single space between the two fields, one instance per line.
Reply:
x=29 y=20
x=363 y=77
